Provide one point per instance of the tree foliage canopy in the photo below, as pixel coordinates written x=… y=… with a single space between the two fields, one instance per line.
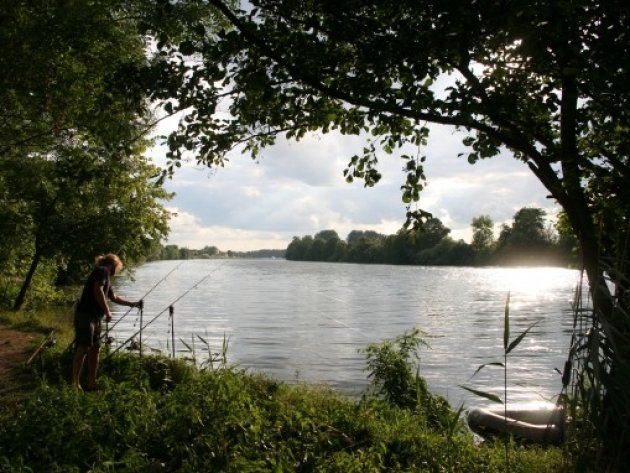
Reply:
x=520 y=244
x=540 y=78
x=64 y=72
x=74 y=115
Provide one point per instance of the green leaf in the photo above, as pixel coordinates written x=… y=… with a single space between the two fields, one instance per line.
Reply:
x=205 y=342
x=506 y=324
x=186 y=345
x=200 y=29
x=187 y=48
x=520 y=338
x=485 y=395
x=494 y=363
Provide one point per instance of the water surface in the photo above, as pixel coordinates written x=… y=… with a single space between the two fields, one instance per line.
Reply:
x=302 y=321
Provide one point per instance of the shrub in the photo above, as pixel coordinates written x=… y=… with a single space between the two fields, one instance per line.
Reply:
x=394 y=369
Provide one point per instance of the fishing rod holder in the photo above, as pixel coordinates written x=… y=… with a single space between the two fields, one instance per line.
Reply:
x=170 y=308
x=171 y=314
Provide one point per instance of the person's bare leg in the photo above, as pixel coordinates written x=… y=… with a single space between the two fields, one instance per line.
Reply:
x=77 y=365
x=92 y=356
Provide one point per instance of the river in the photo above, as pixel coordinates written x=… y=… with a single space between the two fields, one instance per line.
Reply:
x=303 y=321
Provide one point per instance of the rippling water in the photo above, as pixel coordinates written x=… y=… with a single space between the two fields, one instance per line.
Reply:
x=307 y=321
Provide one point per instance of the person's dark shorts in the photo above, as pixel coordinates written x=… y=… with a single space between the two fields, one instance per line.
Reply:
x=87 y=330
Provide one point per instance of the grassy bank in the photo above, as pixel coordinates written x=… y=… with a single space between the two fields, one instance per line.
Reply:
x=160 y=415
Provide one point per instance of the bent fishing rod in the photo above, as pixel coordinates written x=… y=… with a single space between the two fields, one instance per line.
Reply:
x=142 y=298
x=160 y=313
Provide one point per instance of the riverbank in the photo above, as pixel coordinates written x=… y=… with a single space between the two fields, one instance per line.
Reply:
x=21 y=333
x=159 y=414
x=15 y=346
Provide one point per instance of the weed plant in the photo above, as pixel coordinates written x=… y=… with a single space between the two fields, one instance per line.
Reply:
x=157 y=414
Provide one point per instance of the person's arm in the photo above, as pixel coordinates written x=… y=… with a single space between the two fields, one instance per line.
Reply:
x=99 y=295
x=119 y=300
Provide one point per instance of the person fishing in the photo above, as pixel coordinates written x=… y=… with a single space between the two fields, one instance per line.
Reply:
x=91 y=309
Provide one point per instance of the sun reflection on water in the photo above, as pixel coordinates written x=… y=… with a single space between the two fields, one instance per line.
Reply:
x=532 y=282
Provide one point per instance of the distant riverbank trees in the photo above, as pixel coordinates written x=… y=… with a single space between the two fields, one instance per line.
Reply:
x=529 y=240
x=175 y=252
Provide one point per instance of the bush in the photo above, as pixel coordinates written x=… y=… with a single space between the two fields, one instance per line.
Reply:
x=394 y=369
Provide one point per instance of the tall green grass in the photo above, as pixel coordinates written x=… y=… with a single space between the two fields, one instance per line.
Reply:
x=158 y=414
x=42 y=321
x=597 y=377
x=227 y=420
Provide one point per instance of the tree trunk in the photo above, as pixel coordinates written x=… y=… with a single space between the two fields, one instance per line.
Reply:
x=19 y=300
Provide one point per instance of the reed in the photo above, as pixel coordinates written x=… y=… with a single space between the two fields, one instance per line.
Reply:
x=508 y=347
x=213 y=360
x=597 y=378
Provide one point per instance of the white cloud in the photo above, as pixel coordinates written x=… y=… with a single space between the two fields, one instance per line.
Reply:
x=188 y=232
x=250 y=191
x=298 y=189
x=315 y=160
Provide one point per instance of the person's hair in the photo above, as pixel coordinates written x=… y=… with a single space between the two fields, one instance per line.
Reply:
x=111 y=259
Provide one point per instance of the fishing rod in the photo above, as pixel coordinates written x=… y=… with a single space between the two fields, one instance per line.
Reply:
x=145 y=295
x=105 y=336
x=163 y=311
x=367 y=337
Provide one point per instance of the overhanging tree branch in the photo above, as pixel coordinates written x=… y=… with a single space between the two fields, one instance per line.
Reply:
x=380 y=106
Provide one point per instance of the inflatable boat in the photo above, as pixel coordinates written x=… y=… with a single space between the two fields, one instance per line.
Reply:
x=540 y=423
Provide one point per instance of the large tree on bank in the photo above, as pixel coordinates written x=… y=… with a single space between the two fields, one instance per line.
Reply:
x=77 y=80
x=73 y=116
x=544 y=79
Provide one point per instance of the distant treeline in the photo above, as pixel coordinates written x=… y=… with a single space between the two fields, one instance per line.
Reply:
x=528 y=241
x=174 y=252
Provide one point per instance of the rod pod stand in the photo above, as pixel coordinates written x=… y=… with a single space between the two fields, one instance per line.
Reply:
x=160 y=313
x=171 y=314
x=141 y=313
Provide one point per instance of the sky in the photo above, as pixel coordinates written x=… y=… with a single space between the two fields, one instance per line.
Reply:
x=298 y=188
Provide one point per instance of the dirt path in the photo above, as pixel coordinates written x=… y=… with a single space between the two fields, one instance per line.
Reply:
x=15 y=348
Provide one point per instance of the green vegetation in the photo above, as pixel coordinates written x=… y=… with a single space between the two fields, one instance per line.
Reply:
x=159 y=414
x=540 y=80
x=75 y=118
x=528 y=241
x=42 y=321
